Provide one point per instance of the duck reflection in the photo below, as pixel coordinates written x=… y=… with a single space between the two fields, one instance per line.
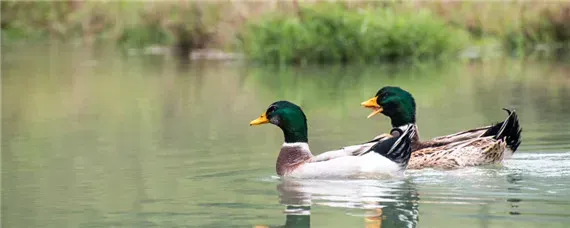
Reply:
x=296 y=216
x=382 y=203
x=514 y=180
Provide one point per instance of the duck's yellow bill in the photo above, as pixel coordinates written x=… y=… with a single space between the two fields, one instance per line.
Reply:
x=376 y=111
x=260 y=120
x=371 y=103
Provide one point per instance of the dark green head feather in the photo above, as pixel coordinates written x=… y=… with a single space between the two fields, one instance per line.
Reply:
x=290 y=118
x=397 y=104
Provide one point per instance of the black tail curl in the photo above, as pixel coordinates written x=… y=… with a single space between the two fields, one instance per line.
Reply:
x=508 y=130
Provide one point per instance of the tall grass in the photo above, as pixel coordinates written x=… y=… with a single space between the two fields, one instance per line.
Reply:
x=295 y=31
x=129 y=24
x=332 y=33
x=520 y=26
x=545 y=30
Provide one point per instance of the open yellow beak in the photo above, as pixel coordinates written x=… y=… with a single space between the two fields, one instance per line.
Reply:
x=260 y=120
x=371 y=103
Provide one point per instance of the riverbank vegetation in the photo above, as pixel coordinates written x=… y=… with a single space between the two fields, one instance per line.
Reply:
x=298 y=31
x=332 y=33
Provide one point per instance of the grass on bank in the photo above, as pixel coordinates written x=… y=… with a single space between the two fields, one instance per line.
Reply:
x=517 y=26
x=521 y=26
x=128 y=24
x=331 y=33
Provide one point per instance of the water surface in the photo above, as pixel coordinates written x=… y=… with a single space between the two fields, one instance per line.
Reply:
x=96 y=138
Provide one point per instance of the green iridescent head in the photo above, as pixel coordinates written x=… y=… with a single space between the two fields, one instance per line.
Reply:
x=395 y=103
x=287 y=116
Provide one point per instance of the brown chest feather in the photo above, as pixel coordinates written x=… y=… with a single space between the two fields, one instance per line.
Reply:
x=290 y=158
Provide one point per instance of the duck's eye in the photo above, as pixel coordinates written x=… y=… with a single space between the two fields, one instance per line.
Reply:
x=271 y=109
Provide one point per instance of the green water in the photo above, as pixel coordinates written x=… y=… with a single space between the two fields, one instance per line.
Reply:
x=94 y=138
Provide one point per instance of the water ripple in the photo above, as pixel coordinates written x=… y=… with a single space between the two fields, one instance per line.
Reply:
x=530 y=186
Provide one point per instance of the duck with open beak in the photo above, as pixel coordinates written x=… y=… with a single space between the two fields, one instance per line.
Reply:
x=372 y=103
x=478 y=146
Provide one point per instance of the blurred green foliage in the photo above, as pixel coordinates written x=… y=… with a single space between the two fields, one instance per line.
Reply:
x=331 y=33
x=519 y=26
x=298 y=32
x=129 y=24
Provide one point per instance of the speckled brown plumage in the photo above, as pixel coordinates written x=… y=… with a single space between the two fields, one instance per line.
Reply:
x=479 y=146
x=291 y=157
x=471 y=152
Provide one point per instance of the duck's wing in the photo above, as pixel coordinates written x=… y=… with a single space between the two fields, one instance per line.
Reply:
x=342 y=152
x=452 y=138
x=463 y=135
x=474 y=152
x=495 y=143
x=387 y=157
x=398 y=148
x=509 y=129
x=353 y=150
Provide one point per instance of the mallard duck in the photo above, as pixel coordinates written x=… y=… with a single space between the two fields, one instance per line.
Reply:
x=386 y=158
x=478 y=146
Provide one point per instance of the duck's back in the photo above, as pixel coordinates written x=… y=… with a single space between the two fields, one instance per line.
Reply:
x=474 y=152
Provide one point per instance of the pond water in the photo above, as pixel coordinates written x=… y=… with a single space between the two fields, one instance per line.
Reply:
x=96 y=138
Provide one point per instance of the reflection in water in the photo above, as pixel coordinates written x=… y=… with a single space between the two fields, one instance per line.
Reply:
x=296 y=216
x=383 y=203
x=514 y=179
